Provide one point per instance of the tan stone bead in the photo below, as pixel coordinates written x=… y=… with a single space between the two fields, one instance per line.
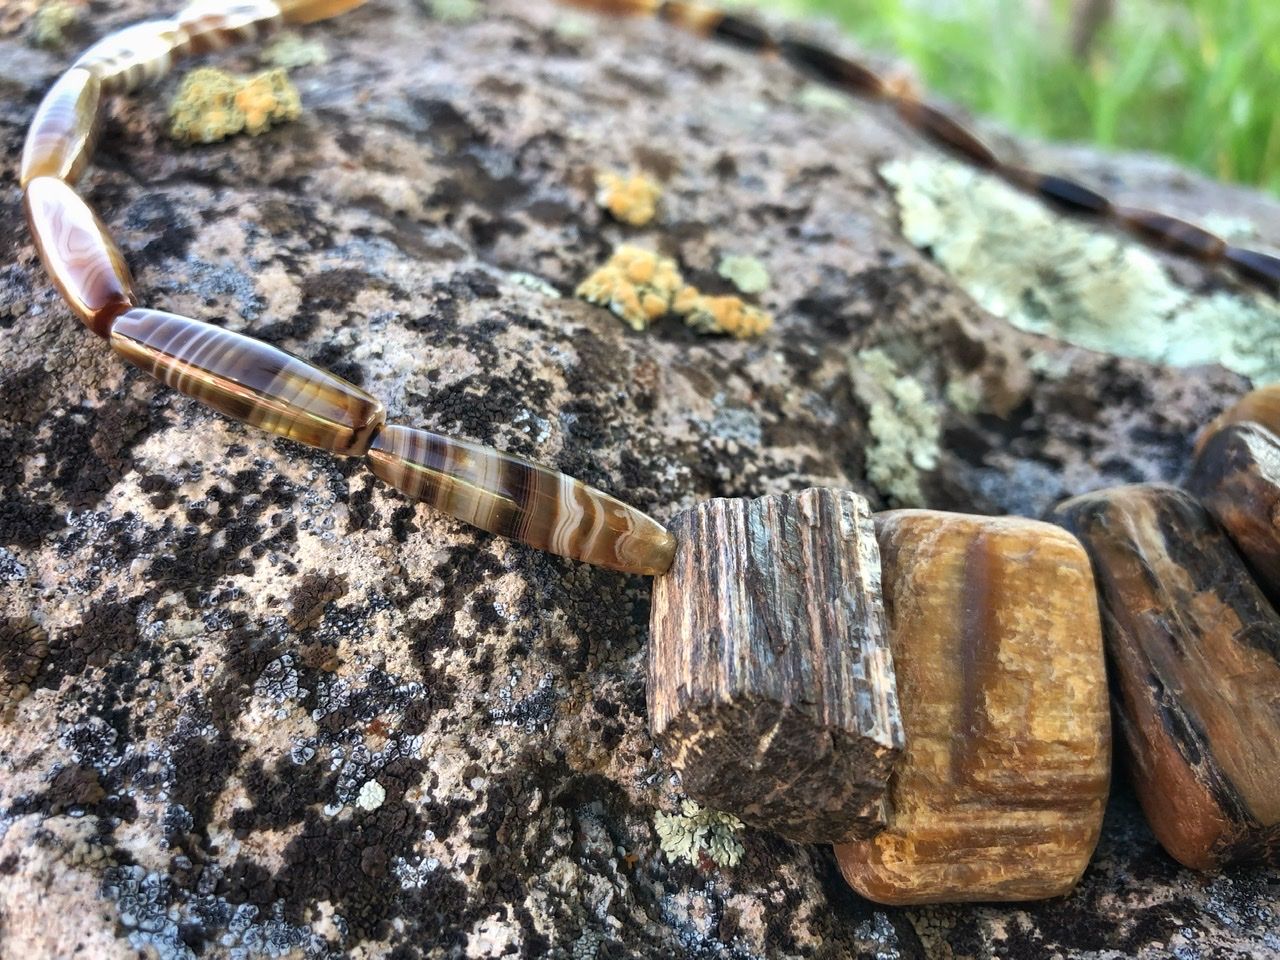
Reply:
x=309 y=11
x=997 y=647
x=1261 y=406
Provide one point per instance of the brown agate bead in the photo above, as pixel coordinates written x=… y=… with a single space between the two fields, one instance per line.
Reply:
x=129 y=58
x=78 y=254
x=997 y=647
x=771 y=685
x=249 y=380
x=64 y=130
x=512 y=497
x=1195 y=654
x=308 y=11
x=1237 y=477
x=1261 y=406
x=215 y=24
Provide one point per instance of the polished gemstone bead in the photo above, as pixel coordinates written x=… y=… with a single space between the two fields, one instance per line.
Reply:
x=1237 y=478
x=78 y=254
x=997 y=647
x=944 y=130
x=1261 y=268
x=830 y=67
x=771 y=686
x=64 y=130
x=215 y=24
x=1194 y=649
x=129 y=58
x=308 y=11
x=1261 y=406
x=514 y=498
x=249 y=380
x=1172 y=233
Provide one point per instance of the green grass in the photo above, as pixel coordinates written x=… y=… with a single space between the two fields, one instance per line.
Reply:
x=1196 y=79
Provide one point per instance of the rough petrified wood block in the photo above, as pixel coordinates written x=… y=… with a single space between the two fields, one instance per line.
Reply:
x=997 y=645
x=1196 y=681
x=1237 y=477
x=770 y=680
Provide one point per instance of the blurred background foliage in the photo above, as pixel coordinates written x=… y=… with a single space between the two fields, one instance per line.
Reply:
x=1196 y=79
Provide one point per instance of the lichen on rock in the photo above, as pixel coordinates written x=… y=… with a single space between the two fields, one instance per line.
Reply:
x=51 y=21
x=290 y=51
x=695 y=832
x=630 y=198
x=746 y=273
x=212 y=104
x=904 y=424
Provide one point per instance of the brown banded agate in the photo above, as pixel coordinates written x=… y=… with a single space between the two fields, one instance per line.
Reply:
x=1260 y=406
x=1195 y=653
x=309 y=11
x=77 y=252
x=209 y=25
x=136 y=55
x=997 y=647
x=64 y=130
x=249 y=380
x=512 y=497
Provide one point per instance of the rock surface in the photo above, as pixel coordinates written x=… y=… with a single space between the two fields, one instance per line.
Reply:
x=274 y=707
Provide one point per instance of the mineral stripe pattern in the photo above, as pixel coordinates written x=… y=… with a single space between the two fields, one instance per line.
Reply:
x=512 y=497
x=65 y=129
x=842 y=73
x=212 y=25
x=249 y=380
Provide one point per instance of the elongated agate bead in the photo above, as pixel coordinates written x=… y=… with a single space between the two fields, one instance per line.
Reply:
x=129 y=58
x=249 y=380
x=215 y=25
x=944 y=130
x=1172 y=233
x=64 y=130
x=512 y=497
x=308 y=11
x=78 y=254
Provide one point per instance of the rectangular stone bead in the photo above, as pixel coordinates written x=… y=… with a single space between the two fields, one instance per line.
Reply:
x=64 y=130
x=136 y=55
x=997 y=645
x=1237 y=478
x=512 y=497
x=249 y=380
x=1195 y=654
x=771 y=685
x=79 y=255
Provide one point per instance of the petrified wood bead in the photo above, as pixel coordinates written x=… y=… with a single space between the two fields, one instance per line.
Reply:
x=78 y=254
x=215 y=24
x=512 y=497
x=64 y=130
x=770 y=679
x=1261 y=406
x=309 y=11
x=139 y=54
x=249 y=380
x=997 y=646
x=1195 y=654
x=1171 y=233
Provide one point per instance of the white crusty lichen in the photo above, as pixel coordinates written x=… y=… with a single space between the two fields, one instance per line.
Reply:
x=905 y=426
x=696 y=831
x=1049 y=274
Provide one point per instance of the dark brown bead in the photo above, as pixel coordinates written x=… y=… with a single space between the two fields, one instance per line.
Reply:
x=1171 y=233
x=1061 y=192
x=1260 y=406
x=743 y=33
x=945 y=130
x=1263 y=268
x=830 y=67
x=1195 y=653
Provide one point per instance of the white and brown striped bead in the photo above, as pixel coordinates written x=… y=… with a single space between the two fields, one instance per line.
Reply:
x=139 y=54
x=215 y=24
x=78 y=254
x=512 y=497
x=249 y=380
x=64 y=130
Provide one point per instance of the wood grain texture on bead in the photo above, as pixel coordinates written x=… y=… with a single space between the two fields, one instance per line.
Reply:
x=771 y=685
x=1195 y=654
x=136 y=55
x=79 y=255
x=1260 y=406
x=512 y=497
x=1237 y=478
x=210 y=25
x=249 y=380
x=63 y=132
x=997 y=647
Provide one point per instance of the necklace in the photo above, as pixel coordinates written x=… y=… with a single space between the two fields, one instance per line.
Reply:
x=251 y=381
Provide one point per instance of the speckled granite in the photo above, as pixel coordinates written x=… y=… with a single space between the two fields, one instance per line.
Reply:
x=271 y=707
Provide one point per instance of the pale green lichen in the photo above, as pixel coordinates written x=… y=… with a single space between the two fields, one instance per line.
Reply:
x=905 y=427
x=212 y=104
x=291 y=51
x=695 y=832
x=533 y=282
x=452 y=11
x=748 y=274
x=51 y=21
x=817 y=98
x=1050 y=275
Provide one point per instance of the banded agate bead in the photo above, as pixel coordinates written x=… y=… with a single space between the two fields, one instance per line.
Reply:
x=64 y=130
x=249 y=380
x=78 y=254
x=139 y=54
x=215 y=25
x=512 y=497
x=308 y=11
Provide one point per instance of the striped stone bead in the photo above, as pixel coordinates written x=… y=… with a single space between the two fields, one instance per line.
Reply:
x=309 y=11
x=79 y=255
x=215 y=24
x=64 y=130
x=129 y=58
x=249 y=380
x=512 y=497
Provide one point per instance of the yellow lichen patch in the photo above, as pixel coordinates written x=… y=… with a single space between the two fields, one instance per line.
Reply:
x=632 y=199
x=641 y=287
x=212 y=105
x=52 y=20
